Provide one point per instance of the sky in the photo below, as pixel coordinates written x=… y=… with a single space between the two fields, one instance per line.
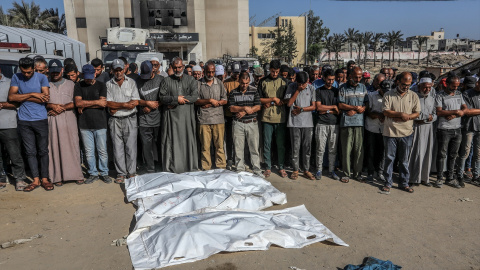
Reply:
x=412 y=17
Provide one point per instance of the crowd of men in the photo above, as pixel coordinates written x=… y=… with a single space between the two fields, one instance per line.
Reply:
x=207 y=116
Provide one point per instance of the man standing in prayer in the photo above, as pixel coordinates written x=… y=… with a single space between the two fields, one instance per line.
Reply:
x=91 y=100
x=211 y=98
x=64 y=145
x=149 y=115
x=122 y=100
x=30 y=89
x=423 y=136
x=301 y=101
x=450 y=108
x=400 y=107
x=244 y=103
x=178 y=94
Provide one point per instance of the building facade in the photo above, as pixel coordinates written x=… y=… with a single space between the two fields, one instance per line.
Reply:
x=210 y=28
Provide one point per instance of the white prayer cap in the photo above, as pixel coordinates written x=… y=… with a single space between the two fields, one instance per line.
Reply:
x=155 y=59
x=197 y=68
x=425 y=80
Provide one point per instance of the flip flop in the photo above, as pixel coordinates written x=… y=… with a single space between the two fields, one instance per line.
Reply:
x=48 y=186
x=283 y=173
x=31 y=187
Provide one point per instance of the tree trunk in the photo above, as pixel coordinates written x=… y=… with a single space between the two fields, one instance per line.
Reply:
x=365 y=58
x=389 y=55
x=393 y=54
x=351 y=51
x=419 y=52
x=374 y=58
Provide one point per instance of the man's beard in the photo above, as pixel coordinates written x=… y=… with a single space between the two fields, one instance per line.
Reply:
x=178 y=75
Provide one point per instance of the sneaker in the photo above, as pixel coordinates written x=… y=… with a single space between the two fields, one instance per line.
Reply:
x=106 y=179
x=381 y=177
x=91 y=179
x=229 y=165
x=318 y=175
x=259 y=174
x=439 y=183
x=360 y=179
x=453 y=183
x=370 y=178
x=461 y=182
x=334 y=176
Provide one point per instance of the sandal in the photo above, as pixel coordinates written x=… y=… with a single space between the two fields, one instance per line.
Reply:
x=283 y=173
x=58 y=184
x=31 y=187
x=385 y=189
x=80 y=182
x=120 y=179
x=308 y=175
x=408 y=189
x=47 y=186
x=20 y=185
x=345 y=180
x=267 y=173
x=294 y=175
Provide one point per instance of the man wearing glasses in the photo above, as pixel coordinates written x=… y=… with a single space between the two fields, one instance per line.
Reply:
x=400 y=107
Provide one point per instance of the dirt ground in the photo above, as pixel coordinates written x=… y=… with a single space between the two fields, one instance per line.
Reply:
x=429 y=229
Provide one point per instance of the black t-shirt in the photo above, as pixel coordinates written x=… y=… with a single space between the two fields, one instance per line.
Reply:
x=91 y=118
x=133 y=76
x=328 y=97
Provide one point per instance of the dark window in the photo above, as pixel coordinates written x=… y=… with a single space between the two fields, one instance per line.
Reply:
x=169 y=13
x=130 y=22
x=114 y=22
x=266 y=35
x=81 y=23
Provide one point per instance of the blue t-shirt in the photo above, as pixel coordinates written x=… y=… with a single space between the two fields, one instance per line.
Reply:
x=31 y=111
x=320 y=82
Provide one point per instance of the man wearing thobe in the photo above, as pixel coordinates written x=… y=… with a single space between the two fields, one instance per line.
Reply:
x=423 y=136
x=63 y=141
x=471 y=134
x=178 y=94
x=148 y=85
x=211 y=98
x=400 y=107
x=122 y=101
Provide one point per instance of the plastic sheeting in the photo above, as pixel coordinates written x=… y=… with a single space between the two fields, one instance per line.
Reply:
x=188 y=217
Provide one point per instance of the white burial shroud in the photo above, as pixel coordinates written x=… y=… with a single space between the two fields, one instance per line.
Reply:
x=188 y=217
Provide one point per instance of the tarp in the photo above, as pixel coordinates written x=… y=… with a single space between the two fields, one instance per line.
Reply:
x=188 y=217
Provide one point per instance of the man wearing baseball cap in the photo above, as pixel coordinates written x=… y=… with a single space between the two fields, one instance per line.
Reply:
x=64 y=145
x=149 y=115
x=220 y=72
x=366 y=81
x=258 y=74
x=91 y=100
x=122 y=101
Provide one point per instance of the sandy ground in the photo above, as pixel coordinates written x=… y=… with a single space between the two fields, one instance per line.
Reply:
x=430 y=229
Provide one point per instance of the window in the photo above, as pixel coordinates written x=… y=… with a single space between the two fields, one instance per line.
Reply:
x=266 y=35
x=81 y=23
x=130 y=22
x=114 y=22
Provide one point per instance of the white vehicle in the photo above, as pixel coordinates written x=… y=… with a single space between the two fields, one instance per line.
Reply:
x=9 y=61
x=147 y=56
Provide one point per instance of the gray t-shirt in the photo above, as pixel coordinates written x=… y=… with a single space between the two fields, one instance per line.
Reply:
x=8 y=118
x=449 y=103
x=304 y=99
x=148 y=90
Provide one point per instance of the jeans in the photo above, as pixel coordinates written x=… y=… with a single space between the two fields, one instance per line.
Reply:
x=468 y=162
x=280 y=130
x=469 y=138
x=34 y=136
x=326 y=136
x=95 y=139
x=375 y=152
x=148 y=138
x=399 y=147
x=449 y=141
x=352 y=142
x=9 y=138
x=246 y=132
x=301 y=139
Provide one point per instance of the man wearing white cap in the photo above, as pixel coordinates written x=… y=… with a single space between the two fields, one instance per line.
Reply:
x=157 y=67
x=220 y=73
x=197 y=72
x=122 y=101
x=423 y=135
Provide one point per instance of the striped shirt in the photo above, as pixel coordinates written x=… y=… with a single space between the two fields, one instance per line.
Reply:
x=353 y=96
x=249 y=98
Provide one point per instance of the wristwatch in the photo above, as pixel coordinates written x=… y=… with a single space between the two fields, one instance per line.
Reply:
x=328 y=111
x=301 y=109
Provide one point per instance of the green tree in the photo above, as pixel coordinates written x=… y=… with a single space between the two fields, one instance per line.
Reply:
x=366 y=39
x=59 y=23
x=314 y=51
x=282 y=45
x=5 y=18
x=376 y=38
x=350 y=37
x=420 y=42
x=290 y=40
x=336 y=45
x=328 y=46
x=317 y=33
x=30 y=16
x=392 y=37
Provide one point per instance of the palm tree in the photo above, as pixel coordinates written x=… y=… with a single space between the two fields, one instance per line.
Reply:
x=366 y=40
x=29 y=16
x=5 y=18
x=58 y=20
x=337 y=42
x=358 y=42
x=420 y=41
x=375 y=42
x=328 y=46
x=350 y=36
x=393 y=37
